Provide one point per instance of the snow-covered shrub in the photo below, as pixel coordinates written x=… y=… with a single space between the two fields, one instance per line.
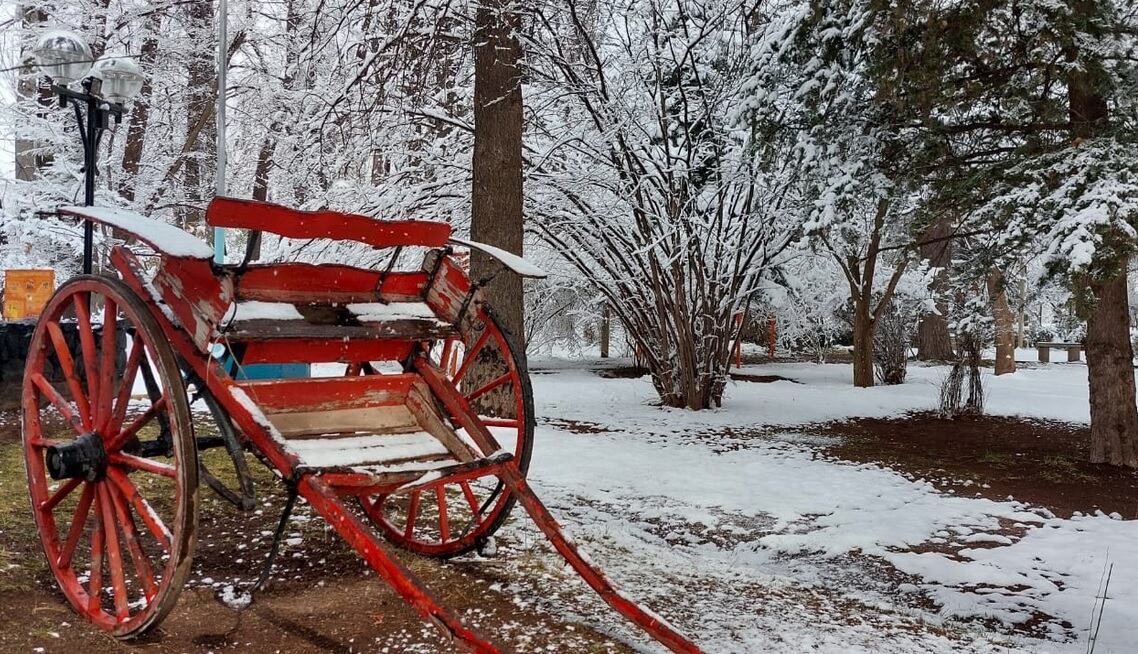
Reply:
x=972 y=332
x=892 y=338
x=649 y=184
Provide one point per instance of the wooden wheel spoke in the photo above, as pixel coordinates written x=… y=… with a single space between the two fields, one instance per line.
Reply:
x=498 y=422
x=38 y=442
x=468 y=492
x=412 y=514
x=470 y=356
x=78 y=523
x=495 y=383
x=107 y=364
x=141 y=463
x=122 y=400
x=82 y=302
x=444 y=526
x=67 y=363
x=60 y=494
x=149 y=516
x=446 y=357
x=114 y=553
x=61 y=405
x=130 y=534
x=117 y=442
x=95 y=582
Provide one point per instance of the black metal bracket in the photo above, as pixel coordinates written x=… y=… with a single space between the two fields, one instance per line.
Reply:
x=438 y=265
x=475 y=286
x=290 y=504
x=378 y=290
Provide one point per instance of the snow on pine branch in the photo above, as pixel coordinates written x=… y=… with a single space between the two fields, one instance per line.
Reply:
x=1078 y=205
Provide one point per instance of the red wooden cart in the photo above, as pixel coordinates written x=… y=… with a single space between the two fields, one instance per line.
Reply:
x=414 y=446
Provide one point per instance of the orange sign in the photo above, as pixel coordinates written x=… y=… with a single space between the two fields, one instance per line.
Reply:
x=26 y=292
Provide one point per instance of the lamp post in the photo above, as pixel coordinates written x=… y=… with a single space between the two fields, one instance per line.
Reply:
x=104 y=88
x=222 y=90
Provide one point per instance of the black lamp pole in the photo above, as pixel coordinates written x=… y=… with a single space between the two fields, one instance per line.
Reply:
x=92 y=124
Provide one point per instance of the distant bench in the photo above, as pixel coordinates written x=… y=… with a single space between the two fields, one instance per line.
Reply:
x=1044 y=349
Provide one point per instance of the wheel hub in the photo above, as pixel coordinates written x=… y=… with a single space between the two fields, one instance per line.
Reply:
x=84 y=458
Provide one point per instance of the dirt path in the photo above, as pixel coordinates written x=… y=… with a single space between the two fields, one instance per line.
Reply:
x=322 y=597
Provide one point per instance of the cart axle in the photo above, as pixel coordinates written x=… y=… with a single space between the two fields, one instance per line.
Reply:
x=83 y=458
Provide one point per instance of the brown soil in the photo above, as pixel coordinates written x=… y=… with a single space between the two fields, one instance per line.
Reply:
x=1035 y=461
x=579 y=426
x=322 y=598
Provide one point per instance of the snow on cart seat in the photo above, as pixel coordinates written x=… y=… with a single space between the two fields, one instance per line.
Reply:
x=256 y=310
x=378 y=312
x=161 y=236
x=361 y=450
x=364 y=312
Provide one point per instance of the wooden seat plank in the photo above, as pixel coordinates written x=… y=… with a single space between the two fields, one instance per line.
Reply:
x=339 y=423
x=324 y=393
x=409 y=330
x=325 y=350
x=305 y=283
x=333 y=225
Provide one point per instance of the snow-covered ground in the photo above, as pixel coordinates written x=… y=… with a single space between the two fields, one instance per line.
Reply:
x=757 y=544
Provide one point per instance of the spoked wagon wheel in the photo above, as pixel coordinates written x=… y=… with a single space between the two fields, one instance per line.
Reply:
x=112 y=472
x=456 y=515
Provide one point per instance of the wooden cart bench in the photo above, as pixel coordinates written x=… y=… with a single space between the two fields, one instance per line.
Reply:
x=1044 y=349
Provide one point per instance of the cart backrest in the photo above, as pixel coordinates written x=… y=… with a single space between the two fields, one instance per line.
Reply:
x=333 y=225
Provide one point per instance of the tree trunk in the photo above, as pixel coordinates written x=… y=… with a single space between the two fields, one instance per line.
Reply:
x=1005 y=326
x=139 y=114
x=934 y=343
x=261 y=173
x=862 y=345
x=1110 y=356
x=496 y=207
x=31 y=158
x=605 y=329
x=197 y=170
x=260 y=193
x=496 y=192
x=933 y=340
x=860 y=274
x=1110 y=368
